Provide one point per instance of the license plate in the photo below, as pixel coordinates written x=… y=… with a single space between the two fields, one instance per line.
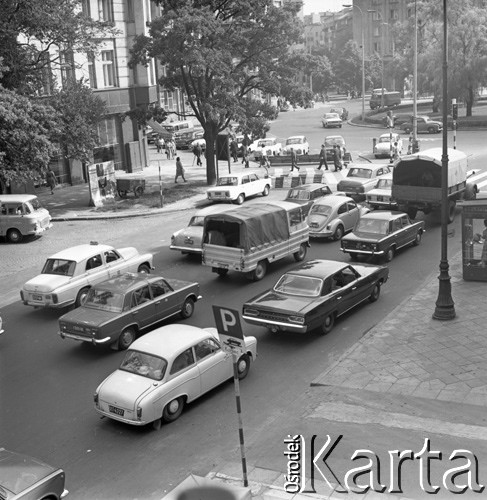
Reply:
x=117 y=411
x=36 y=296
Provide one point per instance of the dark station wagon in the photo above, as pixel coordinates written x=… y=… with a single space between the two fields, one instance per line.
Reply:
x=117 y=310
x=381 y=234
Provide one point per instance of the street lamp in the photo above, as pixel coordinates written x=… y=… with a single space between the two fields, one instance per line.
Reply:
x=363 y=56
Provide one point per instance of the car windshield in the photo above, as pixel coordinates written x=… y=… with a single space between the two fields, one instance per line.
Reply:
x=262 y=144
x=144 y=364
x=375 y=226
x=298 y=194
x=364 y=173
x=59 y=267
x=295 y=140
x=305 y=286
x=104 y=300
x=321 y=210
x=333 y=141
x=197 y=220
x=384 y=183
x=227 y=181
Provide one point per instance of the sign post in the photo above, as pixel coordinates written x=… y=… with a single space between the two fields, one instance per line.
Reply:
x=454 y=107
x=231 y=336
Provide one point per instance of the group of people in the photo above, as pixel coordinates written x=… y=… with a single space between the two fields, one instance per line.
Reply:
x=337 y=157
x=169 y=145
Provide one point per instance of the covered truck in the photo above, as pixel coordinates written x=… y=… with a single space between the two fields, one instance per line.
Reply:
x=248 y=239
x=416 y=181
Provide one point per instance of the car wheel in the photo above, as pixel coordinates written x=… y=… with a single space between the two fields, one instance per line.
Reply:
x=126 y=338
x=375 y=293
x=173 y=410
x=266 y=191
x=338 y=234
x=243 y=366
x=138 y=191
x=81 y=297
x=240 y=199
x=260 y=271
x=407 y=130
x=188 y=308
x=417 y=240
x=222 y=272
x=14 y=236
x=122 y=193
x=431 y=130
x=143 y=268
x=300 y=255
x=389 y=255
x=328 y=323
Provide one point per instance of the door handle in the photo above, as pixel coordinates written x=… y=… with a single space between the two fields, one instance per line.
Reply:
x=338 y=298
x=135 y=312
x=158 y=302
x=354 y=288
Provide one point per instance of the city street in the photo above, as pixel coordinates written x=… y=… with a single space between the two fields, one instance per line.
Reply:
x=47 y=404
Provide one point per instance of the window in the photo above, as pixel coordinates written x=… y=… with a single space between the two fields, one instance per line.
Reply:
x=129 y=13
x=396 y=224
x=111 y=256
x=351 y=205
x=93 y=262
x=91 y=70
x=160 y=287
x=66 y=60
x=342 y=209
x=184 y=360
x=105 y=10
x=140 y=296
x=108 y=68
x=205 y=348
x=394 y=14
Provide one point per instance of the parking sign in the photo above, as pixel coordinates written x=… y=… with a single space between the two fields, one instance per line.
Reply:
x=228 y=326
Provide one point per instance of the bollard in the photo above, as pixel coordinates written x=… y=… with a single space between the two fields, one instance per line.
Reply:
x=374 y=142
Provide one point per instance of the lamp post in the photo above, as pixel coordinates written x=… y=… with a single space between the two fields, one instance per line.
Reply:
x=363 y=55
x=445 y=308
x=415 y=80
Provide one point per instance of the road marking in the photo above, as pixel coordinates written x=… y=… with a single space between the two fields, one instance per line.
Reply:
x=342 y=412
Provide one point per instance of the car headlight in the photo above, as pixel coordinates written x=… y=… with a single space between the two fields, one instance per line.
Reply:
x=139 y=412
x=296 y=319
x=250 y=312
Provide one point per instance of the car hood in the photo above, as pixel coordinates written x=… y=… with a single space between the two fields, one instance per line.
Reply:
x=123 y=389
x=88 y=316
x=280 y=302
x=46 y=283
x=364 y=237
x=180 y=284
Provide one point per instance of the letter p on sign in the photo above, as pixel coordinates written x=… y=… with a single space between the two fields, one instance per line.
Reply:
x=228 y=326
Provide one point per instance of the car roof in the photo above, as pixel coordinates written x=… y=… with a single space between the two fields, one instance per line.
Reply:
x=318 y=268
x=308 y=187
x=127 y=282
x=296 y=137
x=394 y=134
x=369 y=166
x=79 y=253
x=17 y=198
x=169 y=340
x=214 y=209
x=334 y=137
x=237 y=174
x=333 y=200
x=383 y=215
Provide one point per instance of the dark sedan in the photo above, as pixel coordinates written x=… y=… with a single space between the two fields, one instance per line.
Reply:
x=313 y=295
x=24 y=477
x=381 y=234
x=117 y=310
x=306 y=194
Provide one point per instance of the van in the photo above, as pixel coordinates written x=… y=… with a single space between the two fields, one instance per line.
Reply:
x=249 y=238
x=177 y=128
x=22 y=215
x=390 y=99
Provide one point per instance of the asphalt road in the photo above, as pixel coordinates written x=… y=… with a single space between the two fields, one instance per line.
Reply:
x=47 y=385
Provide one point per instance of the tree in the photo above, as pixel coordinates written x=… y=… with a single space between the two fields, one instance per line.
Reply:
x=348 y=67
x=222 y=54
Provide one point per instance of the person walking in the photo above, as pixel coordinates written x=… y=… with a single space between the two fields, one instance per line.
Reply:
x=264 y=162
x=323 y=158
x=337 y=160
x=198 y=151
x=294 y=160
x=51 y=180
x=234 y=150
x=159 y=143
x=179 y=170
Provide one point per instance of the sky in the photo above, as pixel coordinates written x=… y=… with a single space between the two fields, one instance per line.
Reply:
x=310 y=6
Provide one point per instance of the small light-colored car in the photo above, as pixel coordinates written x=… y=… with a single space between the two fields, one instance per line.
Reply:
x=165 y=369
x=267 y=147
x=26 y=478
x=381 y=195
x=361 y=178
x=331 y=120
x=297 y=142
x=385 y=145
x=333 y=216
x=237 y=187
x=68 y=275
x=330 y=141
x=190 y=238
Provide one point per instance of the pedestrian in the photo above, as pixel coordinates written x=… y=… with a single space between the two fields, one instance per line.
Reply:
x=264 y=162
x=159 y=143
x=337 y=160
x=245 y=150
x=323 y=158
x=179 y=170
x=246 y=156
x=51 y=180
x=198 y=151
x=172 y=148
x=234 y=150
x=294 y=160
x=395 y=152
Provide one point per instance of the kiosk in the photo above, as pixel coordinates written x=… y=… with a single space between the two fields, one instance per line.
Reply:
x=474 y=240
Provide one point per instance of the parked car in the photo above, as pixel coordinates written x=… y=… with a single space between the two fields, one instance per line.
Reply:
x=333 y=216
x=190 y=238
x=384 y=145
x=297 y=142
x=185 y=139
x=361 y=178
x=268 y=147
x=381 y=195
x=68 y=275
x=119 y=309
x=238 y=187
x=381 y=234
x=331 y=120
x=166 y=369
x=313 y=295
x=424 y=125
x=307 y=194
x=330 y=141
x=25 y=477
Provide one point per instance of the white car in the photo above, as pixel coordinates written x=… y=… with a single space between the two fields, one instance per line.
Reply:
x=382 y=148
x=267 y=147
x=68 y=275
x=331 y=120
x=381 y=196
x=297 y=142
x=165 y=369
x=237 y=187
x=190 y=238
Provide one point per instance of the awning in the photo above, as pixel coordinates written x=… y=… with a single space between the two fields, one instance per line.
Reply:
x=157 y=127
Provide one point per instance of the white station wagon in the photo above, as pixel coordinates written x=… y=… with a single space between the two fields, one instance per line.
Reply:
x=68 y=275
x=165 y=369
x=237 y=187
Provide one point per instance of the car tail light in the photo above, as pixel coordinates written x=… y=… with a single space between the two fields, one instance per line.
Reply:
x=54 y=298
x=250 y=312
x=139 y=412
x=95 y=398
